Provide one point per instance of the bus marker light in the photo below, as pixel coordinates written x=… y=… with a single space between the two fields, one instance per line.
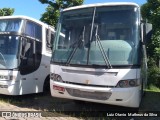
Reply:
x=87 y=81
x=61 y=89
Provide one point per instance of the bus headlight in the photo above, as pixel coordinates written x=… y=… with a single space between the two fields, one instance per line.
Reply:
x=127 y=83
x=4 y=77
x=56 y=77
x=7 y=77
x=132 y=83
x=123 y=83
x=59 y=78
x=52 y=76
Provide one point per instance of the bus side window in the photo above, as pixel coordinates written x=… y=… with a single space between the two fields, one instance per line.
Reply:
x=38 y=54
x=52 y=39
x=34 y=30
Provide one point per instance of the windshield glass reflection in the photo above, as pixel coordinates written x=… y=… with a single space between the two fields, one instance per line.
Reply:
x=10 y=25
x=101 y=36
x=8 y=52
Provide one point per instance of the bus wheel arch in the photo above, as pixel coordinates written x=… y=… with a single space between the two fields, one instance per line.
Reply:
x=46 y=85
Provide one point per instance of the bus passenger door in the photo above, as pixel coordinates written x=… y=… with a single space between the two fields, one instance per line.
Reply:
x=27 y=68
x=39 y=74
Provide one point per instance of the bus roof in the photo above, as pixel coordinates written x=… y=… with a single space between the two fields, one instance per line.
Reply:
x=25 y=17
x=101 y=4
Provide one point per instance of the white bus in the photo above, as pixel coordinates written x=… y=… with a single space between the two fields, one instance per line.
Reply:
x=102 y=57
x=24 y=55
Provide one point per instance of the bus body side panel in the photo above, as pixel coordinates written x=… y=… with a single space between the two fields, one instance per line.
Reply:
x=25 y=84
x=42 y=73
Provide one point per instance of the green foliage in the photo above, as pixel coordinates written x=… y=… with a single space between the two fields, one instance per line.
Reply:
x=54 y=7
x=6 y=11
x=57 y=4
x=152 y=87
x=50 y=16
x=153 y=48
x=151 y=11
x=157 y=52
x=154 y=76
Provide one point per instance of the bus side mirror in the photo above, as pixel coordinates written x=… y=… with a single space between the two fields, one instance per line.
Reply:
x=49 y=41
x=49 y=45
x=147 y=32
x=49 y=38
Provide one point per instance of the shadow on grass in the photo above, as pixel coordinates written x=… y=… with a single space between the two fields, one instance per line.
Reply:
x=150 y=102
x=50 y=105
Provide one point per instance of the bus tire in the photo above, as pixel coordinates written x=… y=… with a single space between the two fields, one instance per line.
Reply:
x=142 y=90
x=46 y=85
x=79 y=102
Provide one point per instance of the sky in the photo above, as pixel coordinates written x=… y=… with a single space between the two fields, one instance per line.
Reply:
x=34 y=9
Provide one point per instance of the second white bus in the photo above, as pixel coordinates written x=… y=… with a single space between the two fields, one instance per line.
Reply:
x=24 y=55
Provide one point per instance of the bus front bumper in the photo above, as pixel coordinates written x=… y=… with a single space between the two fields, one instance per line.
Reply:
x=9 y=87
x=128 y=97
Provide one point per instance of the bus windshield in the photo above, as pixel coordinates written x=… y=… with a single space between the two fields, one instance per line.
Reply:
x=10 y=25
x=98 y=36
x=9 y=46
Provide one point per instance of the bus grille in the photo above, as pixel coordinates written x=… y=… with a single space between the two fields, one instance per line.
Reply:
x=89 y=95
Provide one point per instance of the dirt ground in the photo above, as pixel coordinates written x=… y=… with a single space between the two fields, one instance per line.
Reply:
x=51 y=108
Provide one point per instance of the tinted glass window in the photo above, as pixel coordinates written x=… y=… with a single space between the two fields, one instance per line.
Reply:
x=34 y=30
x=9 y=46
x=38 y=54
x=31 y=51
x=9 y=25
x=83 y=30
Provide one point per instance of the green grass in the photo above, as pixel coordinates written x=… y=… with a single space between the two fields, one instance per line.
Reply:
x=5 y=99
x=153 y=88
x=150 y=102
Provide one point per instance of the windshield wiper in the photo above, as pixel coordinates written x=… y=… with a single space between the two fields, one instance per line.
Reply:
x=105 y=57
x=3 y=59
x=76 y=45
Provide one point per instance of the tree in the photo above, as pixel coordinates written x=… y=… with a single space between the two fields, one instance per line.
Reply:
x=151 y=11
x=54 y=7
x=6 y=11
x=50 y=16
